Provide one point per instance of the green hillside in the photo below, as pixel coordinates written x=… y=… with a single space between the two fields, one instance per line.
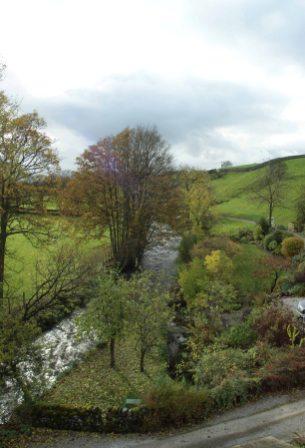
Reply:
x=235 y=201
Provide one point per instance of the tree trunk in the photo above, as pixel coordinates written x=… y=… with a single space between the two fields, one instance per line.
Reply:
x=270 y=215
x=142 y=359
x=112 y=353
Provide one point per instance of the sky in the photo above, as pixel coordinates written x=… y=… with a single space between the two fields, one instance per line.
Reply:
x=221 y=79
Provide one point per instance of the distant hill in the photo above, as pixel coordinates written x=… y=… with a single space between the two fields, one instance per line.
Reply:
x=230 y=186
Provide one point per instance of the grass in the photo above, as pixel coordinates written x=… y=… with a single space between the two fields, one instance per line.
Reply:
x=235 y=201
x=94 y=383
x=230 y=225
x=23 y=255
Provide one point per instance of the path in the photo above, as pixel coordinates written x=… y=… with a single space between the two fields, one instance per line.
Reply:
x=280 y=416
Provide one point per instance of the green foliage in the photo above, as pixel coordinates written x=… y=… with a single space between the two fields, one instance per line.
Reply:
x=243 y=235
x=105 y=314
x=104 y=318
x=186 y=244
x=264 y=226
x=217 y=365
x=219 y=265
x=239 y=336
x=258 y=234
x=18 y=346
x=244 y=277
x=292 y=246
x=273 y=240
x=208 y=245
x=148 y=313
x=192 y=278
x=174 y=404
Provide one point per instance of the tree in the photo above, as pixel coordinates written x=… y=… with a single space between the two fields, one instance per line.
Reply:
x=58 y=282
x=226 y=164
x=124 y=184
x=105 y=316
x=268 y=189
x=149 y=313
x=25 y=155
x=198 y=201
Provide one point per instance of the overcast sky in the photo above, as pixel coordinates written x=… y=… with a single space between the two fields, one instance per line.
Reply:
x=221 y=79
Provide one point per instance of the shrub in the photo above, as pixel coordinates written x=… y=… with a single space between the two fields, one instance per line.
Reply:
x=272 y=245
x=174 y=404
x=205 y=247
x=192 y=278
x=234 y=391
x=219 y=265
x=258 y=234
x=185 y=247
x=264 y=226
x=239 y=336
x=217 y=365
x=243 y=235
x=292 y=246
x=300 y=273
x=270 y=324
x=276 y=236
x=285 y=371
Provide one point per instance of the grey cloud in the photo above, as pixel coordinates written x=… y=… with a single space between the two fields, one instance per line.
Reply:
x=190 y=113
x=273 y=27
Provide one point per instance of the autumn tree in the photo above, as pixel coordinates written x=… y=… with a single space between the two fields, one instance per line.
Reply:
x=268 y=188
x=57 y=283
x=104 y=319
x=25 y=155
x=124 y=184
x=198 y=201
x=149 y=314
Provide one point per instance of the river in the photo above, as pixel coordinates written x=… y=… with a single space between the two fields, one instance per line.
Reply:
x=62 y=347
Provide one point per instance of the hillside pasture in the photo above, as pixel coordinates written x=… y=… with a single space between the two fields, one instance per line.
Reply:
x=235 y=200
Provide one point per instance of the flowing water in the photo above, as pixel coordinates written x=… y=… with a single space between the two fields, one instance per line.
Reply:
x=62 y=347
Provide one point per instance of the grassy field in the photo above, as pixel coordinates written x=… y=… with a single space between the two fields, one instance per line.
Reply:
x=94 y=383
x=231 y=191
x=230 y=225
x=23 y=255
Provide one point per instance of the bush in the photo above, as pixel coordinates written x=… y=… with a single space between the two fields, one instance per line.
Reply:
x=219 y=265
x=286 y=371
x=185 y=247
x=234 y=391
x=192 y=278
x=243 y=235
x=239 y=336
x=300 y=273
x=174 y=404
x=270 y=324
x=292 y=246
x=258 y=234
x=264 y=226
x=276 y=237
x=217 y=365
x=272 y=246
x=205 y=247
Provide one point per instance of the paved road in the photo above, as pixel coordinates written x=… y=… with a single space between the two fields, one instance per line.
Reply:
x=281 y=416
